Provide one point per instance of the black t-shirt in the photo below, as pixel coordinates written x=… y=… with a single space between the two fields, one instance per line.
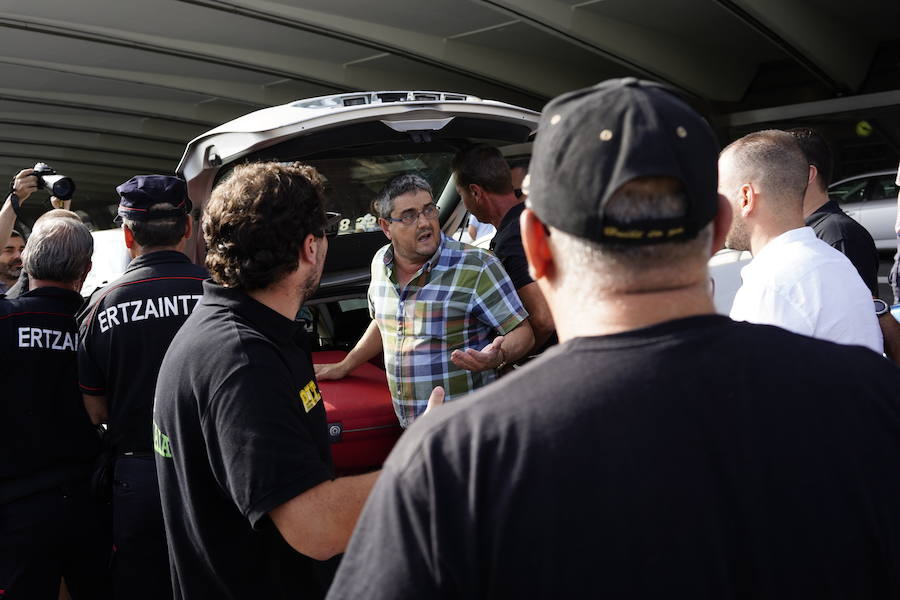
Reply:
x=46 y=437
x=125 y=334
x=835 y=228
x=507 y=245
x=705 y=459
x=239 y=429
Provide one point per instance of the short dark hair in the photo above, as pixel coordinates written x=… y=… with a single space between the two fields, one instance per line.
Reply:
x=399 y=185
x=15 y=233
x=817 y=151
x=482 y=165
x=773 y=158
x=256 y=222
x=158 y=233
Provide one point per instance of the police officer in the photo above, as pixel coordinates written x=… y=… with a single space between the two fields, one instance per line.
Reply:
x=125 y=334
x=49 y=525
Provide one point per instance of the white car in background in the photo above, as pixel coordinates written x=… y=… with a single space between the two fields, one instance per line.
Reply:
x=870 y=199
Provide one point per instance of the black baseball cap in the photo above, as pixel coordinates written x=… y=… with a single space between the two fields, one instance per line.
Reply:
x=592 y=141
x=139 y=193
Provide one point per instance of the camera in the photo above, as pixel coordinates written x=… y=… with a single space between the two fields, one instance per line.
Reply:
x=59 y=185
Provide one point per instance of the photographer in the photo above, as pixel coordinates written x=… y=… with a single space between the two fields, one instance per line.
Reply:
x=25 y=183
x=49 y=523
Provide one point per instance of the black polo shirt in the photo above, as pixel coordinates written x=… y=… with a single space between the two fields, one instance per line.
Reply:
x=46 y=437
x=507 y=245
x=239 y=429
x=125 y=334
x=835 y=228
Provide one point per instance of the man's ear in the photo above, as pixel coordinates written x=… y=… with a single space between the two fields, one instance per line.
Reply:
x=748 y=199
x=188 y=227
x=721 y=224
x=309 y=249
x=813 y=173
x=385 y=226
x=536 y=245
x=129 y=237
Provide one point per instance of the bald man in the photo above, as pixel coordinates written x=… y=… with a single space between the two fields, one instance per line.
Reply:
x=795 y=280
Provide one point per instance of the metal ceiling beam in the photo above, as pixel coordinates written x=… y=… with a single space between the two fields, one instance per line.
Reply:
x=253 y=95
x=51 y=154
x=122 y=127
x=498 y=67
x=16 y=161
x=812 y=109
x=332 y=76
x=651 y=52
x=819 y=42
x=88 y=140
x=204 y=115
x=301 y=69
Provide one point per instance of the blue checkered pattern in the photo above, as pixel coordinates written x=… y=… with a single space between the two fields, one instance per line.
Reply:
x=461 y=298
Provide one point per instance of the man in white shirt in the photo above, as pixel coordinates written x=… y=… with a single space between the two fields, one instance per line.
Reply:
x=795 y=280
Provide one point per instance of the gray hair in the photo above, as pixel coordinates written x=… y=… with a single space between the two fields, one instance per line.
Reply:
x=402 y=184
x=59 y=249
x=588 y=266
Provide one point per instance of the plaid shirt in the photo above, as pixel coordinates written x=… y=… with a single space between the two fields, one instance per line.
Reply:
x=461 y=298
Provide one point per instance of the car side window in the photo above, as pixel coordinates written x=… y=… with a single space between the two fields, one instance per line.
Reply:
x=884 y=187
x=849 y=192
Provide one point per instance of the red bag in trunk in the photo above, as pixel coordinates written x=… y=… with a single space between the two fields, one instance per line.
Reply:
x=361 y=419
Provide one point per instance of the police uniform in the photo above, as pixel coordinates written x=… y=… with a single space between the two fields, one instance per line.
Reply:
x=240 y=428
x=49 y=524
x=125 y=334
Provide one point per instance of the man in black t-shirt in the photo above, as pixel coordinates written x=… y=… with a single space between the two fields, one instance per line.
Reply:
x=484 y=183
x=50 y=526
x=124 y=336
x=660 y=450
x=831 y=224
x=239 y=431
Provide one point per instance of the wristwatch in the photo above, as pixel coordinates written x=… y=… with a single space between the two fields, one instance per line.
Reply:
x=881 y=307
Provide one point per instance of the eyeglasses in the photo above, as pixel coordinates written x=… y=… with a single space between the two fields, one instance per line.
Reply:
x=410 y=216
x=332 y=222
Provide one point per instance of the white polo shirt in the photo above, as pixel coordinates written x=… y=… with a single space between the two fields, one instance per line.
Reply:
x=802 y=284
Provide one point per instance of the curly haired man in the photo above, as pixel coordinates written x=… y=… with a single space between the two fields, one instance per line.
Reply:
x=242 y=450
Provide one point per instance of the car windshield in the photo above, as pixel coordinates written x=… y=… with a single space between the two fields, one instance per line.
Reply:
x=352 y=182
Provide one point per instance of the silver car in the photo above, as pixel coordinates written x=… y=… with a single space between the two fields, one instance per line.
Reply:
x=870 y=199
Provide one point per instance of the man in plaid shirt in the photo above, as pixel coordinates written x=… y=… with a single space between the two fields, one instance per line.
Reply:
x=434 y=302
